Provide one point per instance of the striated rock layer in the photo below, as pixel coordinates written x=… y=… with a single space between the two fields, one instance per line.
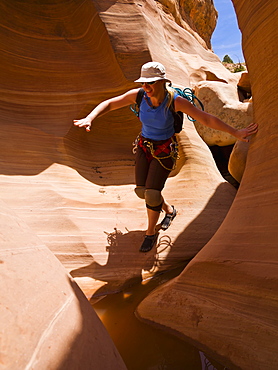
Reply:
x=226 y=298
x=45 y=320
x=75 y=190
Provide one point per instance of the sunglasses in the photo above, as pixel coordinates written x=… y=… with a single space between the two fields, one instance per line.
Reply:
x=148 y=83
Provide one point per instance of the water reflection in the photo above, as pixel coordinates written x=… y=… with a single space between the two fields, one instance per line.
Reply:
x=144 y=347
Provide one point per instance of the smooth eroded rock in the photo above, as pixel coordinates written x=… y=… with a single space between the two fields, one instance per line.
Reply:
x=46 y=321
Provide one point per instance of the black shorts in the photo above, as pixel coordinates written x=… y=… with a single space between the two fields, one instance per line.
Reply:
x=150 y=173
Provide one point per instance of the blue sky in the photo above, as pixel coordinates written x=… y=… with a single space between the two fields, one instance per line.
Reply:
x=226 y=38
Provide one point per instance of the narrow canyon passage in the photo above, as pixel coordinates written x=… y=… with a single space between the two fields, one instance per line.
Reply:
x=143 y=346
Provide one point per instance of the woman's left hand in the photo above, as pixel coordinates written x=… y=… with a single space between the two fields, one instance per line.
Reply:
x=245 y=132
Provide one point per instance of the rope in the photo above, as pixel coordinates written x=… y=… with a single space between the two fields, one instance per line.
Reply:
x=188 y=94
x=173 y=154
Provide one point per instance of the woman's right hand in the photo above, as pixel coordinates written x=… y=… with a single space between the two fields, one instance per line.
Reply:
x=83 y=122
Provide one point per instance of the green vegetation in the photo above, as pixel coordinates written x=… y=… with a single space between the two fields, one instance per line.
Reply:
x=235 y=67
x=227 y=59
x=239 y=68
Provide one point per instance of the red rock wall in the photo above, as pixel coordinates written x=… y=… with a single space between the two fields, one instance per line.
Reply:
x=48 y=62
x=201 y=16
x=196 y=16
x=74 y=189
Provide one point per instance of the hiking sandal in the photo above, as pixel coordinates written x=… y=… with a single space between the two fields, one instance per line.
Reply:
x=148 y=243
x=167 y=220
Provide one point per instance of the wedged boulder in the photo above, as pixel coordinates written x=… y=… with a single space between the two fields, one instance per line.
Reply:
x=244 y=83
x=222 y=100
x=237 y=160
x=226 y=298
x=46 y=321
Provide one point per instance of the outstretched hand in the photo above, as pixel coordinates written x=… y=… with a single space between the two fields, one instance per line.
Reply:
x=247 y=131
x=84 y=122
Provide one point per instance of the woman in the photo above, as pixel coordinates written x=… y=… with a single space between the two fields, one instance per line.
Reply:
x=156 y=147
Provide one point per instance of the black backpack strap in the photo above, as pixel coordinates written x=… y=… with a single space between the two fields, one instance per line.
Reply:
x=136 y=107
x=139 y=97
x=178 y=117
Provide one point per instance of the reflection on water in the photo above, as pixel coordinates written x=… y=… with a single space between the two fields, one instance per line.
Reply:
x=142 y=346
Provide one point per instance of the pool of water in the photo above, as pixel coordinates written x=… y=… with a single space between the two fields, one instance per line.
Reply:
x=142 y=346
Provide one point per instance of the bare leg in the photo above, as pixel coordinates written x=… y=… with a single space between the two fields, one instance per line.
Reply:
x=151 y=235
x=167 y=208
x=153 y=217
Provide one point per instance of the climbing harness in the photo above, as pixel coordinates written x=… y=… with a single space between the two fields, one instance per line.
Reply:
x=154 y=150
x=170 y=147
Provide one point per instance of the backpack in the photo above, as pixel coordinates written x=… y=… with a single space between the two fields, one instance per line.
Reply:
x=186 y=93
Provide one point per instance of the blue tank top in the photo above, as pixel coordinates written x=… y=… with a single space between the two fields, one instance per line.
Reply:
x=158 y=122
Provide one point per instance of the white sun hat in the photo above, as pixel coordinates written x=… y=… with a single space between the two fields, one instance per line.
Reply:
x=152 y=71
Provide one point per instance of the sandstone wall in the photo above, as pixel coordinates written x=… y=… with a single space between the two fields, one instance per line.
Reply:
x=75 y=190
x=226 y=299
x=196 y=16
x=45 y=320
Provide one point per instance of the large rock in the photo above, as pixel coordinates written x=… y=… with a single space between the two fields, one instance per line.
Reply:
x=237 y=160
x=46 y=322
x=244 y=83
x=222 y=100
x=226 y=298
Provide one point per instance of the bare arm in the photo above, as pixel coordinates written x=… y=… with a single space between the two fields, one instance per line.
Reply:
x=211 y=121
x=106 y=106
